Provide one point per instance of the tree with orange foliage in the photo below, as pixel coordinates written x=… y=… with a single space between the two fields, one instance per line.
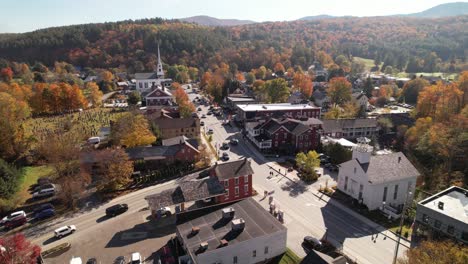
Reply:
x=339 y=90
x=186 y=107
x=205 y=80
x=279 y=69
x=240 y=77
x=132 y=130
x=107 y=76
x=463 y=86
x=113 y=169
x=94 y=94
x=6 y=74
x=17 y=249
x=303 y=83
x=439 y=101
x=436 y=252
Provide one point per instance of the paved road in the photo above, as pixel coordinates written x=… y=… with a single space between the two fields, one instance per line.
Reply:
x=89 y=222
x=305 y=213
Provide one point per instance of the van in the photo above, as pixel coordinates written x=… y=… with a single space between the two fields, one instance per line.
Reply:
x=49 y=191
x=19 y=221
x=44 y=214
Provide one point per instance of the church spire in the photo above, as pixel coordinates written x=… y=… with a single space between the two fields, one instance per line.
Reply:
x=159 y=67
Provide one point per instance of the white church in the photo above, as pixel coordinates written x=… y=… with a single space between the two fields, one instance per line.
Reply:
x=146 y=81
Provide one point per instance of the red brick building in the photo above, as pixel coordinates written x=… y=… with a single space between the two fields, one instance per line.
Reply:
x=285 y=134
x=250 y=112
x=236 y=177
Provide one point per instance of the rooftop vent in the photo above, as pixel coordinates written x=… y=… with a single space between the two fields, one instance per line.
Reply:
x=223 y=243
x=228 y=212
x=238 y=224
x=399 y=159
x=441 y=205
x=264 y=107
x=195 y=230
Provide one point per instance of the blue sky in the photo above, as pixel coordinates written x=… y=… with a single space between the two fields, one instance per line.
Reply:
x=28 y=15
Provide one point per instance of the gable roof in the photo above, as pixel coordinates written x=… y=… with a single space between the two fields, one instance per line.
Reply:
x=157 y=152
x=160 y=90
x=233 y=169
x=145 y=75
x=386 y=168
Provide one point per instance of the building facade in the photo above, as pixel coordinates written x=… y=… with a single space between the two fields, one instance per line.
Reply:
x=382 y=182
x=350 y=128
x=174 y=127
x=287 y=135
x=236 y=177
x=443 y=215
x=252 y=112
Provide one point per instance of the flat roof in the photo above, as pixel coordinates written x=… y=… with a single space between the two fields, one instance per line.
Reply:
x=455 y=203
x=241 y=99
x=275 y=107
x=213 y=228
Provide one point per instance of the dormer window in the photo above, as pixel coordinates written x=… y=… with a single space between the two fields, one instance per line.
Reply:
x=355 y=170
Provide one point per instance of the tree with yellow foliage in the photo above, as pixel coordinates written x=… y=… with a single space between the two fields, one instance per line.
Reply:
x=434 y=252
x=132 y=130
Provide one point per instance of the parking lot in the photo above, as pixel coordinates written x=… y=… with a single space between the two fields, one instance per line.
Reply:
x=121 y=236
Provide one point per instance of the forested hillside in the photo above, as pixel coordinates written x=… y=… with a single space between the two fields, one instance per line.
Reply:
x=403 y=43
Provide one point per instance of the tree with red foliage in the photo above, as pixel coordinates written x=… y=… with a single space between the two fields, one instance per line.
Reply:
x=6 y=74
x=16 y=249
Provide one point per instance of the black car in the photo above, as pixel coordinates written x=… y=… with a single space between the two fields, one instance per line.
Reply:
x=43 y=207
x=234 y=141
x=225 y=146
x=311 y=243
x=120 y=260
x=116 y=209
x=91 y=261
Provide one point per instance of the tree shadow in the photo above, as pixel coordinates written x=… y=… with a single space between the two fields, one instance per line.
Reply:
x=295 y=188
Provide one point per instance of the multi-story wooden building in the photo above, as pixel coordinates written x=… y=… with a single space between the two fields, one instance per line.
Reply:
x=236 y=177
x=252 y=112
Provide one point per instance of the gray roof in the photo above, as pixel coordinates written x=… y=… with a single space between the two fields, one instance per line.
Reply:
x=191 y=188
x=330 y=125
x=455 y=203
x=164 y=123
x=232 y=169
x=387 y=168
x=258 y=222
x=174 y=140
x=319 y=95
x=157 y=152
x=146 y=75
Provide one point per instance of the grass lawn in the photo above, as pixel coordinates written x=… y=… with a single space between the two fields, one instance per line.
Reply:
x=287 y=257
x=369 y=63
x=30 y=176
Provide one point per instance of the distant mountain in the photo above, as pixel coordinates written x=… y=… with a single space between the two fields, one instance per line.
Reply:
x=311 y=18
x=212 y=21
x=443 y=10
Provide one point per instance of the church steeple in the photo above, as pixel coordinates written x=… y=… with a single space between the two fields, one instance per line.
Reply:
x=159 y=67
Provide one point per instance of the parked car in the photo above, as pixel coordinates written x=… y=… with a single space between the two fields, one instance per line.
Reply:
x=116 y=210
x=199 y=109
x=311 y=243
x=202 y=123
x=43 y=207
x=209 y=113
x=164 y=211
x=44 y=214
x=12 y=216
x=225 y=156
x=43 y=187
x=64 y=230
x=120 y=260
x=203 y=116
x=210 y=131
x=136 y=258
x=46 y=192
x=225 y=146
x=92 y=261
x=15 y=222
x=234 y=141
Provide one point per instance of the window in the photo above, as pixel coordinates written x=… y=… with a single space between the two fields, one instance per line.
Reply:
x=254 y=253
x=425 y=218
x=385 y=194
x=361 y=187
x=346 y=183
x=234 y=260
x=464 y=236
x=146 y=85
x=236 y=180
x=266 y=250
x=140 y=85
x=227 y=194
x=395 y=193
x=285 y=135
x=450 y=230
x=226 y=183
x=246 y=188
x=355 y=170
x=437 y=224
x=236 y=190
x=246 y=178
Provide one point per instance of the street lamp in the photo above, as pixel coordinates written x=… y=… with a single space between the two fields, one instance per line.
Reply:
x=408 y=194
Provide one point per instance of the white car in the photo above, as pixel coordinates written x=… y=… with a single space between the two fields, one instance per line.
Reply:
x=64 y=230
x=12 y=216
x=164 y=211
x=49 y=191
x=136 y=258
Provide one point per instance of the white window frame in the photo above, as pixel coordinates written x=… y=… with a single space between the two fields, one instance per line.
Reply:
x=236 y=191
x=246 y=178
x=246 y=188
x=236 y=181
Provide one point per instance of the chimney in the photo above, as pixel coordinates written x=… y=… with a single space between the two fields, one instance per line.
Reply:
x=203 y=245
x=223 y=243
x=228 y=212
x=195 y=230
x=399 y=159
x=238 y=224
x=441 y=205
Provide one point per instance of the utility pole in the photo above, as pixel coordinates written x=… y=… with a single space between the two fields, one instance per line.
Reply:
x=401 y=227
